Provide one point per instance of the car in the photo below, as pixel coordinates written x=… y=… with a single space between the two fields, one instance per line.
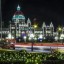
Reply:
x=6 y=45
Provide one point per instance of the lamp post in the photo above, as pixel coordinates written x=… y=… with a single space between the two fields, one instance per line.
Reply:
x=59 y=32
x=35 y=26
x=32 y=40
x=32 y=44
x=32 y=36
x=1 y=19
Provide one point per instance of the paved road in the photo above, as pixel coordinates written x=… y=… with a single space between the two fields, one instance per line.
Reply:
x=45 y=47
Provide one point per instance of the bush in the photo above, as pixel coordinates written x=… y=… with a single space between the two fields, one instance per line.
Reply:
x=23 y=57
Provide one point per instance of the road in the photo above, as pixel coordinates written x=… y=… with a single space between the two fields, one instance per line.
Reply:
x=39 y=47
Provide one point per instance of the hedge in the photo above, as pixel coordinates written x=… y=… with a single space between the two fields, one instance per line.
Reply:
x=23 y=57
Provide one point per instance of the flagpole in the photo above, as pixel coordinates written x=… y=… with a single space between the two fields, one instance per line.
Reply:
x=1 y=19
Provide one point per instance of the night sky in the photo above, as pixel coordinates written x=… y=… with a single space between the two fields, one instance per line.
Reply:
x=41 y=10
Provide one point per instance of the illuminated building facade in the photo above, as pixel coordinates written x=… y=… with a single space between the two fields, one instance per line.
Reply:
x=19 y=27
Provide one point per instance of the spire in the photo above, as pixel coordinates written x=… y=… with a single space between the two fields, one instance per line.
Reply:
x=18 y=8
x=43 y=25
x=51 y=24
x=28 y=21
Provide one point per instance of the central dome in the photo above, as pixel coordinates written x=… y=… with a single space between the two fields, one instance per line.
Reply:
x=18 y=14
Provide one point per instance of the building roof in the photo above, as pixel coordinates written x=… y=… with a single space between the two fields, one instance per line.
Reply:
x=18 y=14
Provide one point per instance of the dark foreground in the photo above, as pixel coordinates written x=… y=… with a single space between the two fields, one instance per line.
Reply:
x=23 y=57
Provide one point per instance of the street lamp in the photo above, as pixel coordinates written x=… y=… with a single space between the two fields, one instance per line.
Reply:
x=32 y=40
x=59 y=28
x=35 y=26
x=59 y=32
x=24 y=38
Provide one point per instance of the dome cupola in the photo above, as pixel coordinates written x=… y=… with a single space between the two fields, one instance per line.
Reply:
x=18 y=15
x=18 y=8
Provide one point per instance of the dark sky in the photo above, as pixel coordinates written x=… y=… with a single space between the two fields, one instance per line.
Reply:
x=42 y=10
